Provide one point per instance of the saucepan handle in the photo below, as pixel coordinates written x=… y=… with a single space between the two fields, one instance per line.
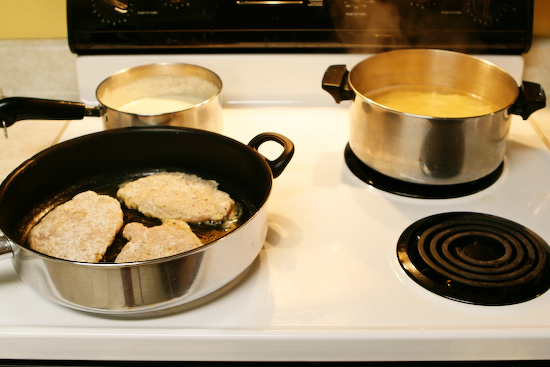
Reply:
x=13 y=109
x=6 y=247
x=278 y=165
x=531 y=98
x=335 y=82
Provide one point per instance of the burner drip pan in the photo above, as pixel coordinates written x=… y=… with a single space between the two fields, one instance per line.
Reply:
x=414 y=190
x=476 y=258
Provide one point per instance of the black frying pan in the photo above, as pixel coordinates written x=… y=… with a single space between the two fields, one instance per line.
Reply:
x=106 y=159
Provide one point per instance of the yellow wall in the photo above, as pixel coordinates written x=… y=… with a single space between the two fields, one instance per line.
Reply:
x=541 y=21
x=33 y=19
x=47 y=18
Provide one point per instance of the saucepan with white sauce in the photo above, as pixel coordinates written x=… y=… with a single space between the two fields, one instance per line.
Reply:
x=431 y=117
x=163 y=94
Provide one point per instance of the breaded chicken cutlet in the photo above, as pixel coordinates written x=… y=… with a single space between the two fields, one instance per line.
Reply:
x=80 y=229
x=177 y=195
x=171 y=238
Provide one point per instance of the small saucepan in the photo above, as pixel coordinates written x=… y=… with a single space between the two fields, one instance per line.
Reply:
x=445 y=147
x=163 y=94
x=104 y=160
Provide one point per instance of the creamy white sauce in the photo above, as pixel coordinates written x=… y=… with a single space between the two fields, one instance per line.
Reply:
x=433 y=101
x=159 y=105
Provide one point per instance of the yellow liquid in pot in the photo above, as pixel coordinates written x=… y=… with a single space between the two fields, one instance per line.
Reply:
x=433 y=101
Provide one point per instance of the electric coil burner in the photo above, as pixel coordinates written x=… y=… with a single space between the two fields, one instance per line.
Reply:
x=410 y=189
x=476 y=258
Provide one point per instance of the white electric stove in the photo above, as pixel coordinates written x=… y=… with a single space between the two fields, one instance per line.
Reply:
x=327 y=285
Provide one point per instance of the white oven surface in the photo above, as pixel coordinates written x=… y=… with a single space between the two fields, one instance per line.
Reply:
x=327 y=284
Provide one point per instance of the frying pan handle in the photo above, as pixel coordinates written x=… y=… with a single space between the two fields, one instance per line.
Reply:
x=531 y=98
x=14 y=109
x=6 y=248
x=278 y=165
x=335 y=82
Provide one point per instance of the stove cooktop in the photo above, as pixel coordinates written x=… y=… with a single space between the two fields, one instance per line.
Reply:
x=328 y=284
x=328 y=272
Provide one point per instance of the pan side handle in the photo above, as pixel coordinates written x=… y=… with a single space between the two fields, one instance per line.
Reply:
x=13 y=109
x=335 y=82
x=6 y=248
x=279 y=164
x=531 y=98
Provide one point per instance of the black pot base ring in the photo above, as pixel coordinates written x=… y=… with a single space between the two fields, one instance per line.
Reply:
x=409 y=189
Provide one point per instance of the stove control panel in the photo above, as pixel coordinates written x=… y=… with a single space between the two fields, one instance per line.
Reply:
x=232 y=26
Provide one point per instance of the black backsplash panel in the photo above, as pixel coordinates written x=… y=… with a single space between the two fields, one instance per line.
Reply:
x=308 y=26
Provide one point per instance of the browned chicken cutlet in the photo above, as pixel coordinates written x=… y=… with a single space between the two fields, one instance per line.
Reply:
x=177 y=195
x=171 y=238
x=80 y=229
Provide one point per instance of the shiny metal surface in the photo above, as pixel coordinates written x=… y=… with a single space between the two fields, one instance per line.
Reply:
x=6 y=248
x=137 y=288
x=423 y=149
x=162 y=80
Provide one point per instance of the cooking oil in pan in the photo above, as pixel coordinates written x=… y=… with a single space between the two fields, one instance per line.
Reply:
x=207 y=232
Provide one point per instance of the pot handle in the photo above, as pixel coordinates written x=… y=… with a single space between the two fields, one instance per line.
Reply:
x=531 y=98
x=6 y=248
x=278 y=165
x=13 y=109
x=335 y=82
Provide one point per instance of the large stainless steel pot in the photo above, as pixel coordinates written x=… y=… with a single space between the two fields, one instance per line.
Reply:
x=104 y=159
x=163 y=80
x=425 y=149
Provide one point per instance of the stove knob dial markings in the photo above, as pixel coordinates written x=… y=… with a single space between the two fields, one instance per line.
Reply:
x=176 y=4
x=112 y=11
x=356 y=7
x=423 y=4
x=487 y=12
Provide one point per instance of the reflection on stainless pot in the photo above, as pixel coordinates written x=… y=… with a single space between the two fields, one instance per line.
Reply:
x=162 y=94
x=426 y=149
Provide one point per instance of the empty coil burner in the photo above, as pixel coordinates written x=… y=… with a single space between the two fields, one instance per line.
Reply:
x=476 y=258
x=418 y=191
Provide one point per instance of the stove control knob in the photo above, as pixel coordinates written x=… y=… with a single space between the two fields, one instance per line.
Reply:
x=112 y=11
x=487 y=12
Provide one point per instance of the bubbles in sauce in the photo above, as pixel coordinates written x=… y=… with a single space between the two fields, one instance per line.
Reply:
x=433 y=101
x=159 y=105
